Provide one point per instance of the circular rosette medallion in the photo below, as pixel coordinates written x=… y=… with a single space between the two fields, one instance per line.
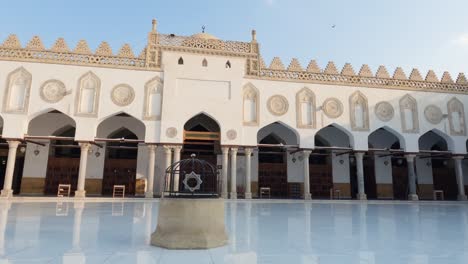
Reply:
x=52 y=91
x=171 y=132
x=278 y=105
x=231 y=134
x=122 y=95
x=433 y=114
x=332 y=107
x=384 y=111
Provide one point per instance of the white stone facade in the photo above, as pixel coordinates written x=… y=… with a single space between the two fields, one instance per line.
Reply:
x=243 y=96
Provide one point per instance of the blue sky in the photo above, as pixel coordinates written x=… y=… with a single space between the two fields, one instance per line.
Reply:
x=426 y=34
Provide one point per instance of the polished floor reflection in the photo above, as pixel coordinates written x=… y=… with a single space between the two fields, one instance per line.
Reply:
x=260 y=232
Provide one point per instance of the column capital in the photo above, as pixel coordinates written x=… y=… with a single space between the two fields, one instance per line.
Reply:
x=168 y=148
x=306 y=153
x=359 y=154
x=225 y=150
x=84 y=145
x=13 y=143
x=410 y=157
x=233 y=151
x=458 y=157
x=177 y=148
x=248 y=151
x=152 y=148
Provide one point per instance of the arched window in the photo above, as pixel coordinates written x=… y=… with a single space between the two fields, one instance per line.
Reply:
x=228 y=64
x=409 y=114
x=250 y=104
x=305 y=108
x=153 y=99
x=16 y=99
x=87 y=100
x=181 y=61
x=359 y=112
x=456 y=116
x=205 y=63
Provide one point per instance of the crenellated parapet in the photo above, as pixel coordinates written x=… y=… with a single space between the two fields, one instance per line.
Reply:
x=364 y=78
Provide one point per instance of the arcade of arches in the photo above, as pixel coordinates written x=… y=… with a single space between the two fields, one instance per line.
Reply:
x=49 y=156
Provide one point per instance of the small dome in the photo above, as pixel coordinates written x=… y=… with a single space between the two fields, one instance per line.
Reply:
x=203 y=36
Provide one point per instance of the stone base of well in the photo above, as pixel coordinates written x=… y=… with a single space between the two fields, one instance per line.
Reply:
x=190 y=224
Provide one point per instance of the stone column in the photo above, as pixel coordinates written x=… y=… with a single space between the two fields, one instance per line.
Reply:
x=459 y=174
x=306 y=154
x=413 y=196
x=233 y=173
x=10 y=168
x=151 y=160
x=166 y=181
x=80 y=191
x=176 y=158
x=360 y=176
x=224 y=172
x=248 y=168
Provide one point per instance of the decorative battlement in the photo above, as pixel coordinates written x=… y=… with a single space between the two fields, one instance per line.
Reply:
x=364 y=78
x=203 y=43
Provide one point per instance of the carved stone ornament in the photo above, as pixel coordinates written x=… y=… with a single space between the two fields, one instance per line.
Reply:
x=384 y=111
x=332 y=107
x=171 y=132
x=52 y=91
x=278 y=105
x=433 y=114
x=231 y=134
x=122 y=95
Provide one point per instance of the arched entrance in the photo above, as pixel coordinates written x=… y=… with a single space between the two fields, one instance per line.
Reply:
x=274 y=161
x=121 y=162
x=63 y=162
x=435 y=159
x=390 y=174
x=120 y=136
x=333 y=173
x=202 y=138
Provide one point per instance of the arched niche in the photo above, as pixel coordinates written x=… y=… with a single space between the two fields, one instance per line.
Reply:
x=153 y=99
x=16 y=97
x=305 y=108
x=359 y=112
x=456 y=116
x=409 y=114
x=87 y=95
x=250 y=105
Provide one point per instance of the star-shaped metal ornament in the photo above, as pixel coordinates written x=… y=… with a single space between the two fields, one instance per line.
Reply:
x=190 y=176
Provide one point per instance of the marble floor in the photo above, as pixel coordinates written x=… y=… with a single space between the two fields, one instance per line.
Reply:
x=260 y=232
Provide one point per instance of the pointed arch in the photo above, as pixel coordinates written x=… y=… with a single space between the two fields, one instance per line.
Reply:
x=202 y=120
x=250 y=105
x=180 y=61
x=456 y=117
x=385 y=137
x=409 y=114
x=228 y=64
x=359 y=112
x=286 y=133
x=16 y=97
x=152 y=108
x=87 y=95
x=305 y=108
x=120 y=120
x=204 y=62
x=48 y=122
x=435 y=139
x=336 y=136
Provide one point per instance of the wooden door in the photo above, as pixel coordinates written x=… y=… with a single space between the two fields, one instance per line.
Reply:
x=444 y=178
x=61 y=170
x=321 y=180
x=370 y=185
x=274 y=176
x=400 y=179
x=119 y=172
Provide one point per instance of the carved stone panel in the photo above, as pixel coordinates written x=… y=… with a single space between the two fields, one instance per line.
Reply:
x=152 y=107
x=250 y=105
x=409 y=114
x=305 y=108
x=278 y=105
x=359 y=112
x=231 y=134
x=332 y=107
x=384 y=111
x=16 y=98
x=171 y=132
x=122 y=95
x=456 y=115
x=52 y=91
x=87 y=95
x=433 y=114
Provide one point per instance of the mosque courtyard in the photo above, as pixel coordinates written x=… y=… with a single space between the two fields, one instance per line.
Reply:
x=50 y=230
